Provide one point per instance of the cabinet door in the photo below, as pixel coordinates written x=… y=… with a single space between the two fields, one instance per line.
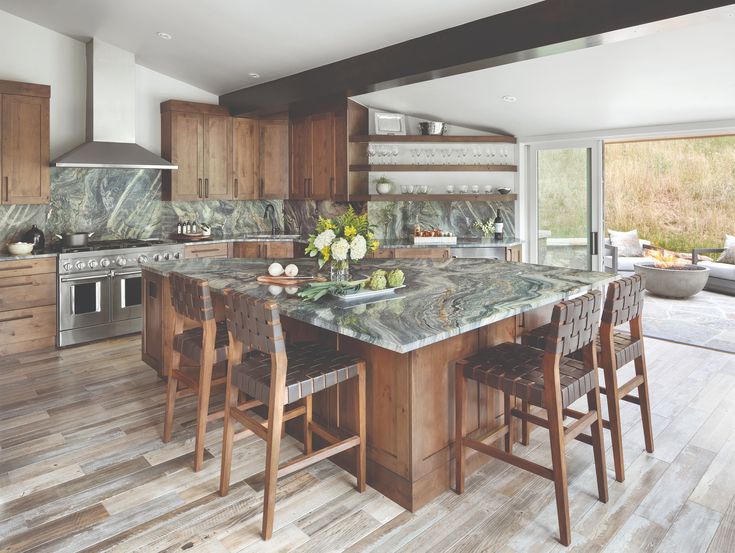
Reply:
x=186 y=145
x=244 y=158
x=251 y=250
x=205 y=250
x=273 y=158
x=217 y=151
x=322 y=156
x=279 y=250
x=421 y=253
x=25 y=150
x=300 y=157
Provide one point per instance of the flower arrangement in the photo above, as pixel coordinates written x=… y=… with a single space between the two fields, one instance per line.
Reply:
x=346 y=238
x=487 y=227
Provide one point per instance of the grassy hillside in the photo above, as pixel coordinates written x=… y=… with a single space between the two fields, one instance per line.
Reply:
x=679 y=194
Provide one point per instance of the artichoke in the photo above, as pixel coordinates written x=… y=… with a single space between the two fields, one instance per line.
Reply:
x=396 y=278
x=378 y=281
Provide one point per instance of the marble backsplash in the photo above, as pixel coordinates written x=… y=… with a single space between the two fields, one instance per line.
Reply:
x=123 y=203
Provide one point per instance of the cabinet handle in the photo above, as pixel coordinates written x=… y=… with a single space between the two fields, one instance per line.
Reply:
x=206 y=250
x=18 y=318
x=7 y=189
x=18 y=284
x=262 y=187
x=331 y=186
x=199 y=188
x=236 y=186
x=16 y=268
x=206 y=188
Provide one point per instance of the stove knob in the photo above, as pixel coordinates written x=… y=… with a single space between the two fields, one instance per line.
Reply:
x=167 y=256
x=105 y=262
x=67 y=266
x=80 y=265
x=142 y=259
x=121 y=261
x=157 y=257
x=92 y=263
x=177 y=255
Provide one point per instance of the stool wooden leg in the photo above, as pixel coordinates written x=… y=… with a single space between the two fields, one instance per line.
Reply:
x=598 y=444
x=609 y=369
x=636 y=331
x=273 y=448
x=552 y=399
x=308 y=447
x=231 y=401
x=361 y=450
x=508 y=422
x=460 y=389
x=205 y=384
x=525 y=434
x=172 y=387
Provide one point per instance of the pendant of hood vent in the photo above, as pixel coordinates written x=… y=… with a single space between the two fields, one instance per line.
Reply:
x=111 y=115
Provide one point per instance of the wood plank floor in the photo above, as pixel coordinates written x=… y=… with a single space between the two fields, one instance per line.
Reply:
x=83 y=468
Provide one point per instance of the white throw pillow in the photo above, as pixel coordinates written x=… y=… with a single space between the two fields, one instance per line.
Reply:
x=729 y=241
x=728 y=256
x=627 y=243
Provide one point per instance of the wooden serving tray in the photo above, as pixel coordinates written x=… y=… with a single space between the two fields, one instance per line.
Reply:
x=289 y=281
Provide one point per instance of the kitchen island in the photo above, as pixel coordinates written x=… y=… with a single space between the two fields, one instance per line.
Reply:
x=447 y=311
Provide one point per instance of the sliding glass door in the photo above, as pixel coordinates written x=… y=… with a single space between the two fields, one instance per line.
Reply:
x=565 y=193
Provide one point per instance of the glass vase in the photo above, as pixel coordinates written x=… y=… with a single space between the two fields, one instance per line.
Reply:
x=339 y=271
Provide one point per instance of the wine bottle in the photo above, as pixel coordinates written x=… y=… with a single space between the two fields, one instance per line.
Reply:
x=498 y=222
x=179 y=228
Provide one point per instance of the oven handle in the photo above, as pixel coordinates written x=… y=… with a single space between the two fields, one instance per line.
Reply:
x=88 y=277
x=137 y=273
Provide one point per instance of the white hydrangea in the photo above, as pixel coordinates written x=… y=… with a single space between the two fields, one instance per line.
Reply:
x=358 y=247
x=324 y=239
x=340 y=249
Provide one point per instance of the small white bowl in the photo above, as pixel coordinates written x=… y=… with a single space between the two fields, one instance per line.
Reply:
x=20 y=248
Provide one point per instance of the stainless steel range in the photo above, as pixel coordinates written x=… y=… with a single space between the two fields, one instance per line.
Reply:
x=99 y=291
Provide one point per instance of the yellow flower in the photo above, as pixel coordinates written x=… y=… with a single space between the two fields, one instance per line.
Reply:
x=350 y=232
x=325 y=253
x=374 y=245
x=370 y=235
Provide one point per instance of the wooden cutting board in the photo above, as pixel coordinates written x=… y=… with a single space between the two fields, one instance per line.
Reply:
x=289 y=281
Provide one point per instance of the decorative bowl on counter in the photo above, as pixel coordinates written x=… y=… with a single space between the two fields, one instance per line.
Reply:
x=20 y=248
x=504 y=190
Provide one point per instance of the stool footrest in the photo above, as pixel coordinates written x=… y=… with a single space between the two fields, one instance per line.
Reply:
x=303 y=461
x=629 y=386
x=528 y=417
x=519 y=462
x=582 y=423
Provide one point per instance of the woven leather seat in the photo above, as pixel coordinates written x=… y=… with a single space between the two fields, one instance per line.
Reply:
x=627 y=348
x=311 y=368
x=516 y=369
x=189 y=343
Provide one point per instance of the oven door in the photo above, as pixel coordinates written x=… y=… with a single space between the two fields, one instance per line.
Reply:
x=127 y=299
x=84 y=301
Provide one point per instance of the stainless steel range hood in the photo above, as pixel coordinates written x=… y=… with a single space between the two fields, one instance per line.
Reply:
x=111 y=115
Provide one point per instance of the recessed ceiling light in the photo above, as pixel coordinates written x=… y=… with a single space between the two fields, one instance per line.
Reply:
x=164 y=36
x=254 y=75
x=510 y=99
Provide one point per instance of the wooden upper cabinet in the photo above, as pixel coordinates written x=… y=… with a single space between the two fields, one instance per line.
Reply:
x=300 y=157
x=182 y=136
x=273 y=158
x=322 y=156
x=217 y=158
x=24 y=143
x=244 y=158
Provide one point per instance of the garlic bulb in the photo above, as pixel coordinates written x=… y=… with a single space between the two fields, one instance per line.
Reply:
x=275 y=290
x=291 y=270
x=275 y=269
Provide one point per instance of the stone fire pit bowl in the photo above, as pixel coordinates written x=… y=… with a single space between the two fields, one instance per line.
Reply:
x=680 y=281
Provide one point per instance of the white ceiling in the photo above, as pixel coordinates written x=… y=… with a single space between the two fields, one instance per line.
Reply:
x=216 y=43
x=679 y=76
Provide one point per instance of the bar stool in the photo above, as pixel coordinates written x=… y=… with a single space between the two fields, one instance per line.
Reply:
x=623 y=304
x=206 y=345
x=545 y=379
x=275 y=377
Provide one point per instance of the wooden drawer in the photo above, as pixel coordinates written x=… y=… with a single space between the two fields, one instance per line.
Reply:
x=248 y=250
x=205 y=250
x=421 y=253
x=29 y=266
x=20 y=292
x=382 y=253
x=279 y=249
x=27 y=329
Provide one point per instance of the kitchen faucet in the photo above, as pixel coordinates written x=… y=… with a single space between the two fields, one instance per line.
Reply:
x=270 y=213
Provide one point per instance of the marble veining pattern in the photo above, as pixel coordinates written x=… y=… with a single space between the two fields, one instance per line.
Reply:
x=396 y=220
x=442 y=299
x=300 y=216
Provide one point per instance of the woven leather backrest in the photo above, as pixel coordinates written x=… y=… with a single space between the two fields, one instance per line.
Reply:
x=190 y=297
x=574 y=323
x=254 y=322
x=624 y=300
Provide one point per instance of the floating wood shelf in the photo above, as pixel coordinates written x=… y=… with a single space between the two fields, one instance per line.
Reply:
x=433 y=139
x=483 y=168
x=441 y=197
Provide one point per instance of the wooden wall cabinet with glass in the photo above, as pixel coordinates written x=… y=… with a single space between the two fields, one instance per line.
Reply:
x=24 y=143
x=319 y=149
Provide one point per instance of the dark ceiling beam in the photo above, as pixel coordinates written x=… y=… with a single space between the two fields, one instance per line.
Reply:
x=538 y=30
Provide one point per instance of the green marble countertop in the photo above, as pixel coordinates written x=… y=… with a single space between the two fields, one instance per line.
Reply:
x=466 y=242
x=440 y=300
